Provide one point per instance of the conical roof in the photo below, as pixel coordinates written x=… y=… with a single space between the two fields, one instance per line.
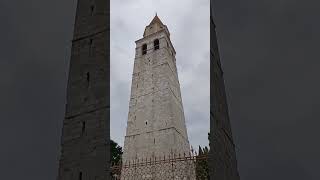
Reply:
x=155 y=26
x=156 y=19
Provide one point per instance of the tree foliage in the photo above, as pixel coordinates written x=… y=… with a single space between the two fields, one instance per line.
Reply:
x=116 y=152
x=202 y=166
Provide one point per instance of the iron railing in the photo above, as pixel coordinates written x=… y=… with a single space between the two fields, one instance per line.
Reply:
x=177 y=167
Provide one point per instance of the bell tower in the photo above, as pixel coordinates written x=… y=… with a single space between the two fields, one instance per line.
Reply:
x=223 y=162
x=85 y=131
x=156 y=124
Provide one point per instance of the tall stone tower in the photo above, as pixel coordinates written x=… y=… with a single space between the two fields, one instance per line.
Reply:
x=85 y=131
x=156 y=124
x=223 y=162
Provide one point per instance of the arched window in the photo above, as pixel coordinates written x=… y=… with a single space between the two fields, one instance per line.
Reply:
x=144 y=49
x=156 y=44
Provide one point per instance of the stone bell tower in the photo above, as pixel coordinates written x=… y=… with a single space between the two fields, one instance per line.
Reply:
x=156 y=124
x=85 y=131
x=223 y=162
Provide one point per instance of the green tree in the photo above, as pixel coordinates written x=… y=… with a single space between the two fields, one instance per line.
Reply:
x=202 y=168
x=116 y=152
x=202 y=165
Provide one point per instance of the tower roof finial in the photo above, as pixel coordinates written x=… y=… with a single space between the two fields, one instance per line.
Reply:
x=156 y=19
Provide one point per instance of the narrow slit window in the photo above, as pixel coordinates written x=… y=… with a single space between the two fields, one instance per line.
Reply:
x=144 y=49
x=90 y=46
x=88 y=79
x=91 y=10
x=83 y=127
x=80 y=176
x=156 y=44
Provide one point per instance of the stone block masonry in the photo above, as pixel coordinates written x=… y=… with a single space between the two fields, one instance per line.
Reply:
x=156 y=124
x=85 y=127
x=222 y=161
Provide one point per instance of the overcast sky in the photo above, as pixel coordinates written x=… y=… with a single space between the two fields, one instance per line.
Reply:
x=190 y=37
x=270 y=56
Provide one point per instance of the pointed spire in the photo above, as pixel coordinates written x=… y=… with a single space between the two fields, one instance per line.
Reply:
x=156 y=19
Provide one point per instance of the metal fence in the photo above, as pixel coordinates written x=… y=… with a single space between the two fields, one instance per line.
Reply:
x=177 y=167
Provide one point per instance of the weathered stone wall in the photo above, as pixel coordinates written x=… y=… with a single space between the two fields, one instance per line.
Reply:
x=156 y=124
x=85 y=130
